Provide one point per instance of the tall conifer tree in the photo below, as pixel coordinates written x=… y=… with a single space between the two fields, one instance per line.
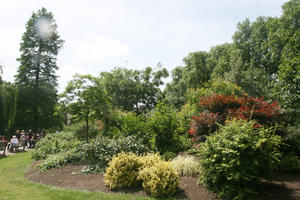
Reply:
x=36 y=78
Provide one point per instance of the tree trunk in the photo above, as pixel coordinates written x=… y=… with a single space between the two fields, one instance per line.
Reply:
x=36 y=93
x=87 y=128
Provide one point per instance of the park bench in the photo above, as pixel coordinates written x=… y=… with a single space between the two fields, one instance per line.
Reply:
x=3 y=144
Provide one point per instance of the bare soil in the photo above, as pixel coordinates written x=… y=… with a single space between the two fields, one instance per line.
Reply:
x=283 y=187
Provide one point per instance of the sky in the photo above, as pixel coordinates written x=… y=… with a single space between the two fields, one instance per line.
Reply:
x=103 y=34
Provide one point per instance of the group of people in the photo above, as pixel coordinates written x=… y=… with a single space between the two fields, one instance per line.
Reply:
x=27 y=139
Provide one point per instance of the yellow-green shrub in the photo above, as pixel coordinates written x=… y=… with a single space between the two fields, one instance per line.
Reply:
x=150 y=160
x=122 y=171
x=160 y=179
x=186 y=165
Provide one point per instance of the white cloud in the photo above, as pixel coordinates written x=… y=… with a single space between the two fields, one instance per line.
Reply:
x=100 y=47
x=9 y=40
x=9 y=51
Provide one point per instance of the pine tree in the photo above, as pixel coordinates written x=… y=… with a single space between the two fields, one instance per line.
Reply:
x=36 y=78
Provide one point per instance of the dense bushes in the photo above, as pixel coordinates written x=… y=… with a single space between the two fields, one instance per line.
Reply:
x=101 y=150
x=80 y=129
x=161 y=129
x=234 y=159
x=125 y=124
x=164 y=126
x=157 y=176
x=289 y=163
x=150 y=160
x=54 y=143
x=58 y=160
x=56 y=150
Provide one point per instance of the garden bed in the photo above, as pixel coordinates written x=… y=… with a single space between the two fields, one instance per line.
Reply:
x=284 y=186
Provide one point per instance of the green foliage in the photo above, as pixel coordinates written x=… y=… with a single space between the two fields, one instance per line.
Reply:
x=79 y=131
x=127 y=124
x=160 y=179
x=85 y=99
x=163 y=125
x=7 y=107
x=288 y=84
x=186 y=165
x=152 y=129
x=289 y=163
x=220 y=57
x=236 y=158
x=54 y=143
x=214 y=86
x=134 y=90
x=101 y=150
x=122 y=171
x=168 y=156
x=36 y=79
x=292 y=139
x=56 y=150
x=58 y=160
x=194 y=74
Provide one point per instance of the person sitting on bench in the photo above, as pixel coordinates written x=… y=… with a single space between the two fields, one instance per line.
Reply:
x=14 y=143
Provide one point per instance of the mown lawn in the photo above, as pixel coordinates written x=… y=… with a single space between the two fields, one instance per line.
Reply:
x=14 y=186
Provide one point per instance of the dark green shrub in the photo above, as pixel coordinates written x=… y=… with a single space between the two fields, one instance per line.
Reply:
x=292 y=141
x=100 y=151
x=236 y=158
x=165 y=128
x=289 y=163
x=80 y=131
x=135 y=125
x=120 y=123
x=168 y=155
x=163 y=125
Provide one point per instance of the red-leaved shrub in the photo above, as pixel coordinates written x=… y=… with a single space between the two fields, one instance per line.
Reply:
x=216 y=109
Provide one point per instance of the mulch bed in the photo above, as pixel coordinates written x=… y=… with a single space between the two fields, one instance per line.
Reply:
x=284 y=186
